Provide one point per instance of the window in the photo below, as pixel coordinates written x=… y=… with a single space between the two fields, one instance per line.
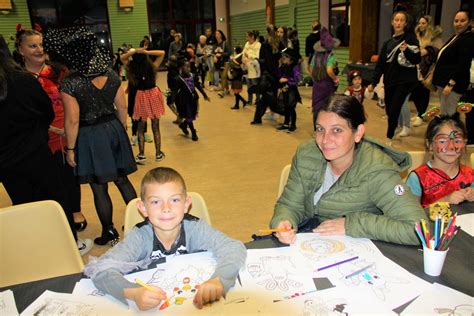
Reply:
x=339 y=20
x=63 y=13
x=188 y=17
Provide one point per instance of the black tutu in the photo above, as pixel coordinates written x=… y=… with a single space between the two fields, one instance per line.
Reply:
x=103 y=153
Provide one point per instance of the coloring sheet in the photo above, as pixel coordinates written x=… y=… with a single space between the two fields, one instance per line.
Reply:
x=466 y=221
x=52 y=303
x=179 y=277
x=391 y=284
x=276 y=272
x=441 y=300
x=7 y=303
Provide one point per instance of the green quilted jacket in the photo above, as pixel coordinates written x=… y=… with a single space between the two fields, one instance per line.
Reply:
x=365 y=194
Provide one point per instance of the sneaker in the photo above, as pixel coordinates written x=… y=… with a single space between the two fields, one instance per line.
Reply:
x=148 y=139
x=84 y=245
x=405 y=132
x=134 y=141
x=195 y=138
x=140 y=158
x=235 y=107
x=418 y=121
x=184 y=128
x=388 y=142
x=282 y=127
x=221 y=94
x=160 y=156
x=291 y=129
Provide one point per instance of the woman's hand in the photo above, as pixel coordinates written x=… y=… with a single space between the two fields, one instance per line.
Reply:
x=332 y=227
x=403 y=46
x=447 y=89
x=70 y=158
x=287 y=237
x=59 y=131
x=210 y=291
x=283 y=80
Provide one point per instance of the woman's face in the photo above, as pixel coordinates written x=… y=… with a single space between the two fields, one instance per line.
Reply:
x=422 y=24
x=399 y=22
x=335 y=137
x=250 y=38
x=218 y=36
x=177 y=38
x=461 y=22
x=280 y=32
x=31 y=48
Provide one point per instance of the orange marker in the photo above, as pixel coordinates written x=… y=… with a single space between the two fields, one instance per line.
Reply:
x=274 y=230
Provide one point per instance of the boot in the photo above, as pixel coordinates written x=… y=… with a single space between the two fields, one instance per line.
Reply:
x=109 y=235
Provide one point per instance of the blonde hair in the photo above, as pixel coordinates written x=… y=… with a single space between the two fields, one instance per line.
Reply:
x=425 y=37
x=161 y=175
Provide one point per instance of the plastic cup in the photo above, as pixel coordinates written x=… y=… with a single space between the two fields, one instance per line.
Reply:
x=434 y=260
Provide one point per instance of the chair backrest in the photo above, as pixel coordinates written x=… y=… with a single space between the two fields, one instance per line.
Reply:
x=417 y=159
x=472 y=160
x=133 y=215
x=285 y=172
x=36 y=243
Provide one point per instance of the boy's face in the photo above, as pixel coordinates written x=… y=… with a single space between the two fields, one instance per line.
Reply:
x=165 y=205
x=357 y=81
x=186 y=68
x=286 y=60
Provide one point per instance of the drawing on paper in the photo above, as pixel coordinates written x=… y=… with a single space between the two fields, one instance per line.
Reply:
x=377 y=282
x=64 y=307
x=319 y=248
x=274 y=272
x=318 y=306
x=97 y=293
x=463 y=309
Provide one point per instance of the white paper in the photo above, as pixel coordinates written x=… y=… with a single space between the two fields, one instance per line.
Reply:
x=276 y=272
x=466 y=221
x=7 y=303
x=440 y=299
x=52 y=303
x=391 y=284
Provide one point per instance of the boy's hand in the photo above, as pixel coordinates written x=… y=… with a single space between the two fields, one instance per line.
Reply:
x=210 y=291
x=283 y=80
x=144 y=298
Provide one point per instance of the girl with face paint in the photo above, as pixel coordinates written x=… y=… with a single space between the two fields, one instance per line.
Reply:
x=443 y=177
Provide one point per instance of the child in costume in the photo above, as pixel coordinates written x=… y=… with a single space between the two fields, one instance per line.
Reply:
x=187 y=99
x=167 y=231
x=289 y=77
x=235 y=75
x=443 y=178
x=356 y=89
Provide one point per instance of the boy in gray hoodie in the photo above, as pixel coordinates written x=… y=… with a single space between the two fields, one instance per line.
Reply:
x=167 y=231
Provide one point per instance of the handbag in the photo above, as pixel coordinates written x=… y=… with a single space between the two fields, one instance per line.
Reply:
x=428 y=80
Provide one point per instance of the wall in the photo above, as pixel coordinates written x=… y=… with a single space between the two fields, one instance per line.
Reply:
x=220 y=12
x=243 y=6
x=8 y=22
x=127 y=27
x=447 y=15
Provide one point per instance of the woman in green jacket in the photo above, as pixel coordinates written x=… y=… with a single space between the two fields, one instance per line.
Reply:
x=346 y=183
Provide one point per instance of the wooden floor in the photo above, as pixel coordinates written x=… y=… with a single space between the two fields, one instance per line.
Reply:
x=235 y=166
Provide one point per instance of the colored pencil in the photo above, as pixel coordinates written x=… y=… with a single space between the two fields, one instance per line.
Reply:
x=337 y=263
x=146 y=286
x=452 y=238
x=274 y=230
x=436 y=232
x=420 y=234
x=358 y=271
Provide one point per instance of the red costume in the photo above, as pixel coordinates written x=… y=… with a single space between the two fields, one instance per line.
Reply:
x=435 y=184
x=358 y=94
x=49 y=80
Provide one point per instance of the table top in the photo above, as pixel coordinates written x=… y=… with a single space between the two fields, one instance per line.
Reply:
x=457 y=272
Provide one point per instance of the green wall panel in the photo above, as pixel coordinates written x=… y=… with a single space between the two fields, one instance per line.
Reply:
x=241 y=23
x=127 y=27
x=8 y=22
x=342 y=56
x=306 y=11
x=282 y=15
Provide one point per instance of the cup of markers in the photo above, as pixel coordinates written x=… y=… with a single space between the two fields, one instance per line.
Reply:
x=436 y=246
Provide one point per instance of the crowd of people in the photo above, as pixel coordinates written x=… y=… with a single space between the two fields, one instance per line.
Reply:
x=69 y=112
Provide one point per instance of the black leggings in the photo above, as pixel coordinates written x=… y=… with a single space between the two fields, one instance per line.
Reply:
x=135 y=127
x=155 y=126
x=421 y=97
x=103 y=203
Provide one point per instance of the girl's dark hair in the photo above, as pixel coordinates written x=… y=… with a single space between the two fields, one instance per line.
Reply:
x=238 y=49
x=140 y=66
x=347 y=107
x=222 y=35
x=252 y=34
x=438 y=121
x=7 y=66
